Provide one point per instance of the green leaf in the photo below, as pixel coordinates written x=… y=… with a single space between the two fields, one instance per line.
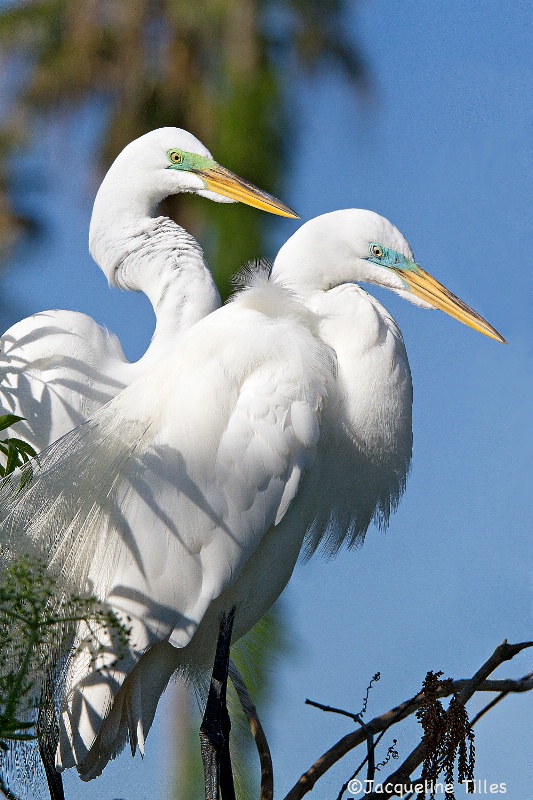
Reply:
x=14 y=725
x=26 y=478
x=12 y=458
x=7 y=420
x=23 y=447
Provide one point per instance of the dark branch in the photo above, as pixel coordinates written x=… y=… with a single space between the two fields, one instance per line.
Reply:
x=465 y=687
x=402 y=776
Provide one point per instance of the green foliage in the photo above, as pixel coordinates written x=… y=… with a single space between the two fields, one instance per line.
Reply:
x=220 y=68
x=37 y=622
x=16 y=451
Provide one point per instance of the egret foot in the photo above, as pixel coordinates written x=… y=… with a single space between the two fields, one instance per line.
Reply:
x=215 y=727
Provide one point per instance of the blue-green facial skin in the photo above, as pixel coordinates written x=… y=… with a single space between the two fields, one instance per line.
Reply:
x=391 y=259
x=190 y=162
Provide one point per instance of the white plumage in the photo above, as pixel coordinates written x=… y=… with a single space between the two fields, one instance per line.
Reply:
x=58 y=367
x=285 y=413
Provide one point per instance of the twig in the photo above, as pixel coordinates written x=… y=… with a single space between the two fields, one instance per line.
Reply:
x=371 y=771
x=349 y=742
x=488 y=707
x=375 y=678
x=265 y=759
x=503 y=652
x=354 y=775
x=402 y=776
x=332 y=709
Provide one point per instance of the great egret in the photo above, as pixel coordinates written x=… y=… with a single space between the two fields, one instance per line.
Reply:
x=286 y=412
x=58 y=367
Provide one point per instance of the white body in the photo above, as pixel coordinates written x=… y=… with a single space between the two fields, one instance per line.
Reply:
x=285 y=413
x=174 y=519
x=59 y=367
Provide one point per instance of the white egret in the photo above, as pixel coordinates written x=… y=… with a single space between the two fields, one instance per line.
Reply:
x=58 y=367
x=286 y=412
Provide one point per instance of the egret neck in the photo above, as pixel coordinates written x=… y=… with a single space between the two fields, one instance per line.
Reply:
x=156 y=256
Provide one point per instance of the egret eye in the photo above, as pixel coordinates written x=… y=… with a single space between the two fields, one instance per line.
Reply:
x=176 y=157
x=376 y=250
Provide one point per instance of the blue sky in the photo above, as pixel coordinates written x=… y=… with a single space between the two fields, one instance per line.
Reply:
x=446 y=153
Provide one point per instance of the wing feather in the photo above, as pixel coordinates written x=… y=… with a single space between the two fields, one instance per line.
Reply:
x=157 y=502
x=57 y=368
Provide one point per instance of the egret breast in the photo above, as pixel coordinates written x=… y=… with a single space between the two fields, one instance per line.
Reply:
x=366 y=436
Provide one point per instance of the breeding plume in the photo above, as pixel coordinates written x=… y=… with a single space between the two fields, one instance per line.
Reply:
x=58 y=367
x=284 y=414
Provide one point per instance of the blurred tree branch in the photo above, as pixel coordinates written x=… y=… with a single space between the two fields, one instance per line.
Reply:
x=220 y=69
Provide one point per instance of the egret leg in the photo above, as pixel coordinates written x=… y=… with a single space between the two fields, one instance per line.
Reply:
x=263 y=750
x=215 y=728
x=48 y=738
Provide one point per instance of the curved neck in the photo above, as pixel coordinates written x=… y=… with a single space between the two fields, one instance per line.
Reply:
x=156 y=256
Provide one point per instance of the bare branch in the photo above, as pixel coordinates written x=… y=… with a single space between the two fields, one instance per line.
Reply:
x=332 y=709
x=402 y=776
x=465 y=687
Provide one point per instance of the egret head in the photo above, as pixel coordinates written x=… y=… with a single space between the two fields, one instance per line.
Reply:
x=358 y=246
x=171 y=160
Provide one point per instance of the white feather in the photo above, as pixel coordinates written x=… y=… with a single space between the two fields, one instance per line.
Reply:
x=58 y=367
x=176 y=475
x=286 y=414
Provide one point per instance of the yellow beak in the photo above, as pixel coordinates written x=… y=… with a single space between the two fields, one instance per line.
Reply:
x=421 y=284
x=220 y=180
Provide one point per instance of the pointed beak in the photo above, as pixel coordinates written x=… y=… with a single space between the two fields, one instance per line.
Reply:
x=421 y=284
x=220 y=180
